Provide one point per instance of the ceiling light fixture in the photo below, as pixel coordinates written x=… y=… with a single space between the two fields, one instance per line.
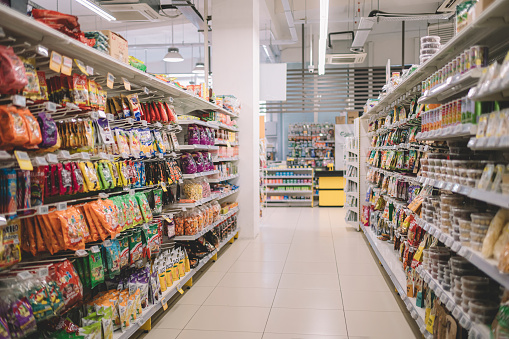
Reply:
x=200 y=68
x=91 y=5
x=173 y=54
x=322 y=41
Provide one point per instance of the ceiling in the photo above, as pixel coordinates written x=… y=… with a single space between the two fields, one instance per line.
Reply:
x=151 y=39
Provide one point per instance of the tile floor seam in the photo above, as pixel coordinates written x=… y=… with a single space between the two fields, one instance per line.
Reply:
x=339 y=279
x=281 y=276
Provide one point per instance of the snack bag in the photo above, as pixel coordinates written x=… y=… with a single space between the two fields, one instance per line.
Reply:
x=48 y=128
x=90 y=175
x=70 y=226
x=13 y=128
x=144 y=206
x=10 y=251
x=80 y=90
x=64 y=274
x=12 y=69
x=34 y=131
x=96 y=266
x=135 y=247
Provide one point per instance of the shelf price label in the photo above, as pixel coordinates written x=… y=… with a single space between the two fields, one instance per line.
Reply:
x=164 y=304
x=110 y=79
x=90 y=70
x=61 y=206
x=24 y=161
x=66 y=66
x=55 y=62
x=81 y=67
x=127 y=84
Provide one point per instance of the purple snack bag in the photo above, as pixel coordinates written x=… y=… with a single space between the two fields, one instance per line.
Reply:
x=187 y=163
x=193 y=135
x=207 y=161
x=198 y=159
x=211 y=136
x=4 y=329
x=48 y=128
x=204 y=139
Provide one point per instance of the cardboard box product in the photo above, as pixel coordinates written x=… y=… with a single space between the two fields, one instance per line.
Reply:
x=340 y=120
x=351 y=116
x=118 y=46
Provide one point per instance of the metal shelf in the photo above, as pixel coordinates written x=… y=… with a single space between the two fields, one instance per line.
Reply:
x=215 y=160
x=488 y=266
x=453 y=88
x=463 y=131
x=487 y=29
x=218 y=124
x=170 y=292
x=225 y=143
x=390 y=261
x=287 y=192
x=26 y=29
x=197 y=122
x=216 y=180
x=493 y=198
x=208 y=228
x=287 y=169
x=201 y=174
x=476 y=330
x=288 y=177
x=197 y=147
x=300 y=184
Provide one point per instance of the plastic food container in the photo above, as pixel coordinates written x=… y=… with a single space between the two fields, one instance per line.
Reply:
x=434 y=45
x=443 y=170
x=462 y=212
x=479 y=229
x=424 y=161
x=465 y=241
x=475 y=282
x=477 y=238
x=430 y=38
x=474 y=173
x=450 y=170
x=481 y=218
x=463 y=172
x=471 y=182
x=465 y=224
x=459 y=262
x=483 y=308
x=476 y=245
x=423 y=59
x=505 y=188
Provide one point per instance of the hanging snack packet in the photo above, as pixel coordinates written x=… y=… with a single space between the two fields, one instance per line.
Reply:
x=64 y=274
x=124 y=250
x=13 y=129
x=122 y=141
x=91 y=331
x=90 y=175
x=80 y=90
x=32 y=88
x=111 y=258
x=158 y=201
x=92 y=94
x=137 y=216
x=134 y=105
x=134 y=143
x=105 y=174
x=65 y=179
x=34 y=131
x=135 y=247
x=144 y=206
x=10 y=250
x=96 y=266
x=70 y=230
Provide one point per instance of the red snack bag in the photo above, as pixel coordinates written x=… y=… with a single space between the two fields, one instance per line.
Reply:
x=172 y=116
x=43 y=86
x=68 y=281
x=80 y=90
x=157 y=114
x=65 y=179
x=12 y=72
x=162 y=111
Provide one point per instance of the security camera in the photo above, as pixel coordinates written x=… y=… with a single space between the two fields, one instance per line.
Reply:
x=311 y=68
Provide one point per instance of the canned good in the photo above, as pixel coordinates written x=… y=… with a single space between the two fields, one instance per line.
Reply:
x=478 y=56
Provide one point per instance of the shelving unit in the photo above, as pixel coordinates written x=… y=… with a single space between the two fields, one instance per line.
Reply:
x=310 y=145
x=282 y=174
x=352 y=176
x=382 y=119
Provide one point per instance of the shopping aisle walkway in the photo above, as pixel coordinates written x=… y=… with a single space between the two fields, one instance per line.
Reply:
x=306 y=276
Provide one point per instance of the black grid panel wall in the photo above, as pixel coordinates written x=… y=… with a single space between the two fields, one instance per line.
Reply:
x=339 y=89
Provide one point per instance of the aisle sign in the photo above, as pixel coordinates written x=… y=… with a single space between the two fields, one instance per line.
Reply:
x=110 y=79
x=55 y=62
x=66 y=66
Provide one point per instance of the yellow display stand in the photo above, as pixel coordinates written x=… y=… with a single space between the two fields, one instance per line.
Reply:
x=331 y=186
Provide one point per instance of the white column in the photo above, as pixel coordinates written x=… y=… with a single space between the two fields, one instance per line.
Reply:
x=236 y=71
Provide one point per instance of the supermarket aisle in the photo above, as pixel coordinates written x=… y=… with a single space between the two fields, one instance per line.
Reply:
x=307 y=276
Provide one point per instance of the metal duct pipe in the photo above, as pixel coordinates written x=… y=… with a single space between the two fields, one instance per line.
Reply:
x=291 y=27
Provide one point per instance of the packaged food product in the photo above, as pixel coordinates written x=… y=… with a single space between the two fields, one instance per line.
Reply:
x=494 y=232
x=13 y=78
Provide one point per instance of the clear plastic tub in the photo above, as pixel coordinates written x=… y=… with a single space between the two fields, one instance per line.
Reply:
x=465 y=224
x=463 y=172
x=471 y=182
x=505 y=188
x=430 y=38
x=476 y=245
x=465 y=241
x=446 y=286
x=462 y=212
x=479 y=229
x=434 y=45
x=450 y=170
x=474 y=282
x=474 y=173
x=459 y=262
x=482 y=218
x=483 y=308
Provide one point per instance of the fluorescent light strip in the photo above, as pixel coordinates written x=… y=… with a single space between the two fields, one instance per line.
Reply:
x=96 y=9
x=322 y=41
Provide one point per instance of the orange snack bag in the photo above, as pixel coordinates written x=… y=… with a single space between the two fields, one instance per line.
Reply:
x=70 y=230
x=30 y=229
x=34 y=131
x=24 y=238
x=13 y=129
x=87 y=233
x=51 y=220
x=49 y=238
x=105 y=214
x=41 y=247
x=82 y=226
x=93 y=207
x=94 y=234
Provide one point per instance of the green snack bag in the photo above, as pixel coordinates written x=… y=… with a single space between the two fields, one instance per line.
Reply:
x=98 y=172
x=158 y=201
x=144 y=206
x=86 y=271
x=135 y=247
x=92 y=331
x=124 y=249
x=137 y=216
x=111 y=258
x=79 y=266
x=144 y=241
x=107 y=323
x=153 y=239
x=96 y=266
x=55 y=296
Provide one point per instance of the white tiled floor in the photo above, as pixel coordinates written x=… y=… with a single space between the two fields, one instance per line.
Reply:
x=306 y=276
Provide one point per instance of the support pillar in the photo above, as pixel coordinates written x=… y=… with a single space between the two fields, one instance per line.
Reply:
x=235 y=68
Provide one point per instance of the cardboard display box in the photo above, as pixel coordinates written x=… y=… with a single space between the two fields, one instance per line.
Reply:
x=340 y=120
x=351 y=116
x=118 y=46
